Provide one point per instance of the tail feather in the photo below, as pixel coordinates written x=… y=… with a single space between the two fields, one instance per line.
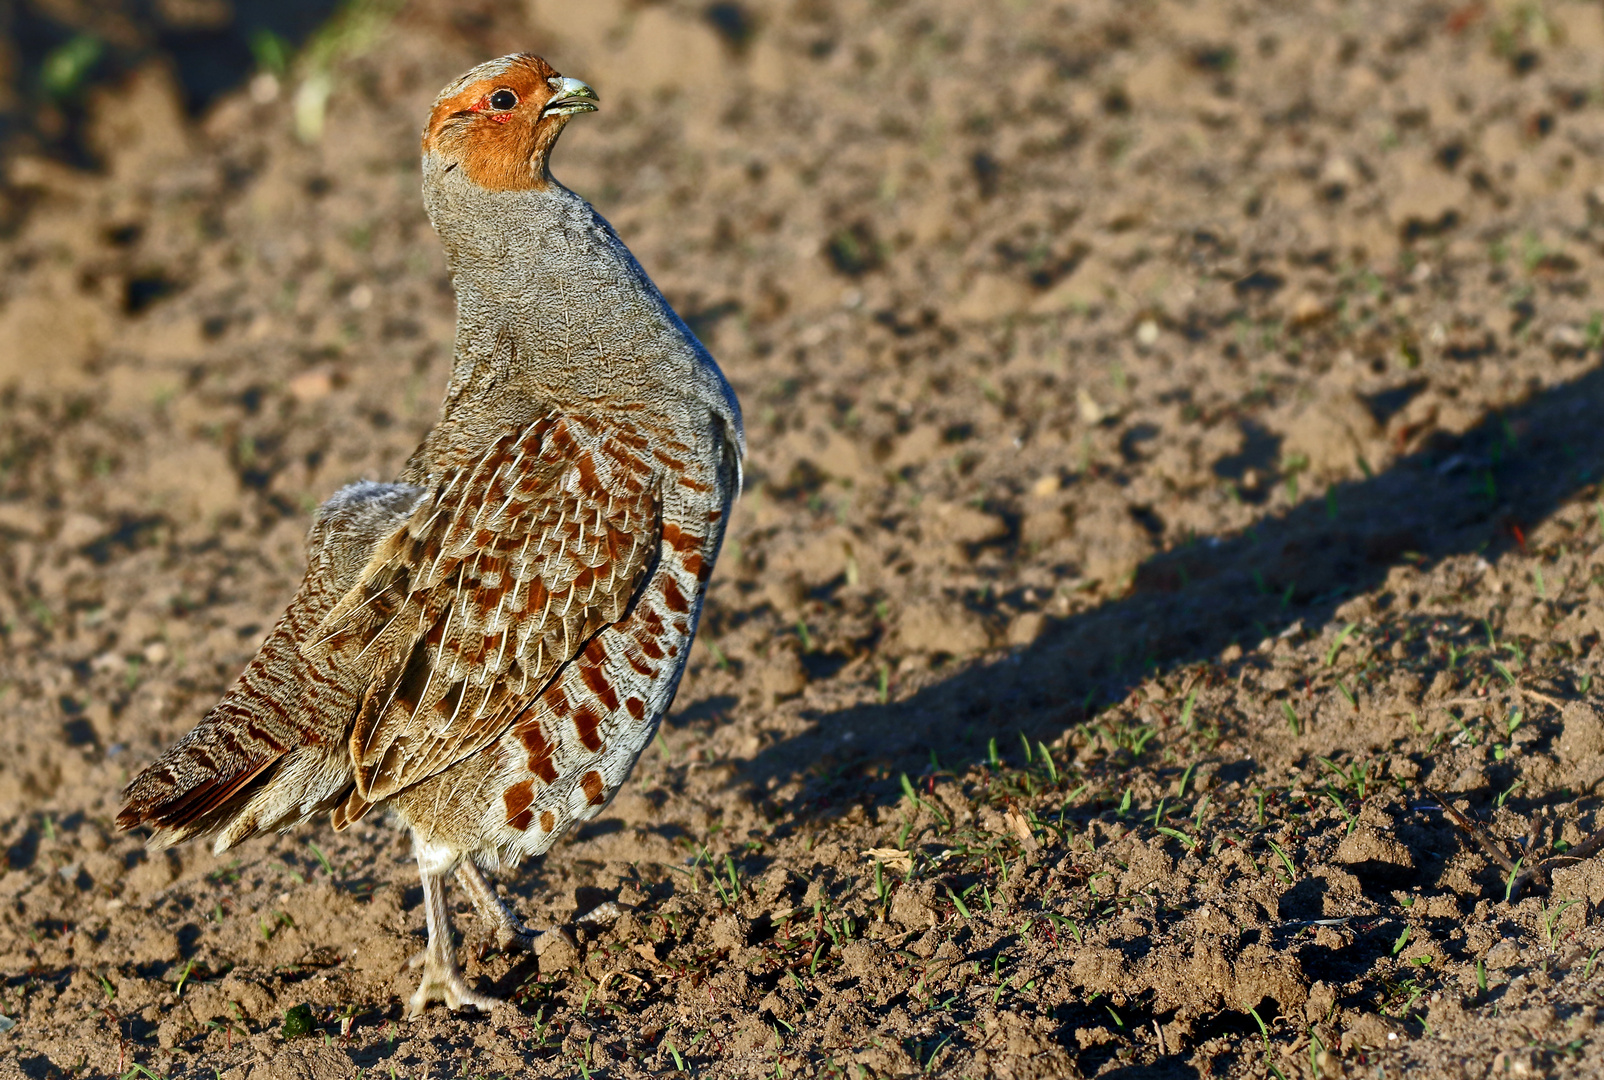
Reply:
x=193 y=788
x=208 y=784
x=190 y=811
x=273 y=752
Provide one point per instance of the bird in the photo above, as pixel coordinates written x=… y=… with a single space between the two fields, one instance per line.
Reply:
x=484 y=646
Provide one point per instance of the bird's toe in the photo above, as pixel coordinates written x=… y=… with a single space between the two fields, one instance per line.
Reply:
x=447 y=984
x=458 y=994
x=517 y=938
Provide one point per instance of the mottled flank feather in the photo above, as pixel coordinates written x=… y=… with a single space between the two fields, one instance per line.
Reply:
x=462 y=616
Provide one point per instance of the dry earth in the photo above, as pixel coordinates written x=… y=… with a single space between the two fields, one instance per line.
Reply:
x=1175 y=444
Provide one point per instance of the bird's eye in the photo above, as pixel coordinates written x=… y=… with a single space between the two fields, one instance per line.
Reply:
x=503 y=99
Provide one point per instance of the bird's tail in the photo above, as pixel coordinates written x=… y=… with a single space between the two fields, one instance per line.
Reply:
x=198 y=786
x=218 y=778
x=273 y=751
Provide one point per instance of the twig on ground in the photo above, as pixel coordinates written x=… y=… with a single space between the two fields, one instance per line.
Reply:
x=1535 y=872
x=1585 y=849
x=1555 y=703
x=1475 y=831
x=1485 y=698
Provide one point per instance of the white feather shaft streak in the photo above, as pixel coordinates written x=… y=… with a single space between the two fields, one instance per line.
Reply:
x=445 y=635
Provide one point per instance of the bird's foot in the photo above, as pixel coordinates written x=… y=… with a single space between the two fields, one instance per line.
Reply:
x=515 y=937
x=510 y=933
x=443 y=981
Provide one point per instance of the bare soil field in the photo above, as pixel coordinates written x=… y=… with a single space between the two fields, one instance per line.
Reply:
x=1161 y=635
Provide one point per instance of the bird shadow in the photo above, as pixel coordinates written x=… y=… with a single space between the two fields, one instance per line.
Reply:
x=1472 y=493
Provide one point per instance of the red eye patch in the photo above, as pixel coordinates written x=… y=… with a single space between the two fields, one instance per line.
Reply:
x=483 y=105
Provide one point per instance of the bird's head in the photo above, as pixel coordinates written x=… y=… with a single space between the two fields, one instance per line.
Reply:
x=499 y=122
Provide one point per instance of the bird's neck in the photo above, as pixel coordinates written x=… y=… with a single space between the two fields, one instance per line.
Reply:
x=553 y=311
x=545 y=294
x=498 y=243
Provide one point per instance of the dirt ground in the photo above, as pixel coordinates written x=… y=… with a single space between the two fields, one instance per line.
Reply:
x=1175 y=453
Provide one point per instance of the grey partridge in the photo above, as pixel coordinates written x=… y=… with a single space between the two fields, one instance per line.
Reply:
x=485 y=646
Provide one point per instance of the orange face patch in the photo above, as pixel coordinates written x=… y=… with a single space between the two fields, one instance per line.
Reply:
x=490 y=125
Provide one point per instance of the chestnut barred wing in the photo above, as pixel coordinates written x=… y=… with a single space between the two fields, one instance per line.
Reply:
x=463 y=615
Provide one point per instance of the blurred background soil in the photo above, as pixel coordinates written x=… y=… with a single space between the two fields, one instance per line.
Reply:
x=1175 y=447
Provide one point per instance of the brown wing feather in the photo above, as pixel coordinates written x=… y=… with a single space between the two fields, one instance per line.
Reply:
x=464 y=614
x=352 y=810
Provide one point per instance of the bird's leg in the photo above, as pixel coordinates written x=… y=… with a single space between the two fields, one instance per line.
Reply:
x=511 y=934
x=442 y=978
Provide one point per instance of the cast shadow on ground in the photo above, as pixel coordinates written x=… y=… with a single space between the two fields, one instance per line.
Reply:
x=1474 y=493
x=1470 y=493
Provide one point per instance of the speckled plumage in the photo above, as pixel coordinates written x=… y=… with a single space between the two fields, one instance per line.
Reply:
x=486 y=645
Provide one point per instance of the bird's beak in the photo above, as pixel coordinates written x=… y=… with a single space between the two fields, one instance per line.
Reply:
x=572 y=96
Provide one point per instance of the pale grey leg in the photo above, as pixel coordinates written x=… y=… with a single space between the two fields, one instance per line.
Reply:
x=442 y=978
x=511 y=934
